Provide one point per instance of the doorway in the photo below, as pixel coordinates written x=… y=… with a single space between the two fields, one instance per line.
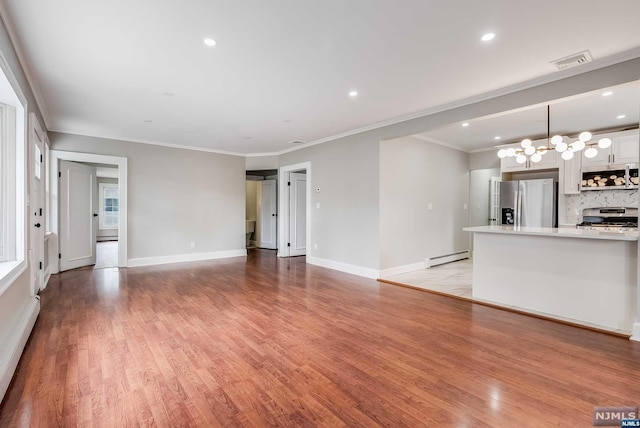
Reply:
x=261 y=216
x=295 y=210
x=115 y=162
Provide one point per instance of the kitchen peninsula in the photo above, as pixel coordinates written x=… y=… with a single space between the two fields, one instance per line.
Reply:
x=584 y=276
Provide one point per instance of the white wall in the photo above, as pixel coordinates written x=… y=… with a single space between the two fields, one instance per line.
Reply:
x=251 y=200
x=346 y=226
x=190 y=196
x=413 y=174
x=17 y=307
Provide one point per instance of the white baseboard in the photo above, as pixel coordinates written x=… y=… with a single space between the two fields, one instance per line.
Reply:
x=11 y=351
x=386 y=273
x=179 y=258
x=344 y=267
x=635 y=333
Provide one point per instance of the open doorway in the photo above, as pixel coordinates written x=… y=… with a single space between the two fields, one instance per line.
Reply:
x=113 y=209
x=262 y=209
x=295 y=210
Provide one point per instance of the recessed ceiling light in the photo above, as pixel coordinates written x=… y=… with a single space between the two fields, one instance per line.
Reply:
x=168 y=94
x=606 y=94
x=488 y=36
x=353 y=94
x=210 y=42
x=465 y=124
x=497 y=137
x=247 y=138
x=287 y=121
x=148 y=121
x=621 y=116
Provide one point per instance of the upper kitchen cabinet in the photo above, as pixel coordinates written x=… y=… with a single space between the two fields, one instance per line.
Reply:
x=624 y=149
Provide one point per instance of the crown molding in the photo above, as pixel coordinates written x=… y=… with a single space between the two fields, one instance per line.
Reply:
x=152 y=143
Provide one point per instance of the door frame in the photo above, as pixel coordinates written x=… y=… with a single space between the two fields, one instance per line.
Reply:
x=121 y=163
x=37 y=281
x=284 y=222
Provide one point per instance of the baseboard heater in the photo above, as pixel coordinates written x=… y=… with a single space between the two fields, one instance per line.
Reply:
x=446 y=258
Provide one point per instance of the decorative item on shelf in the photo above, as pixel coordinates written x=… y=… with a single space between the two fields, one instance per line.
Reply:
x=559 y=143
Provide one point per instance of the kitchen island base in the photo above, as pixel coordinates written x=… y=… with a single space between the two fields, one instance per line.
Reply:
x=591 y=281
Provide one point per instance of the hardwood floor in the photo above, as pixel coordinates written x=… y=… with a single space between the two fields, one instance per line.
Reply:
x=267 y=342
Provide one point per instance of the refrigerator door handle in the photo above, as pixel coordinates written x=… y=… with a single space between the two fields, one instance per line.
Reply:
x=518 y=212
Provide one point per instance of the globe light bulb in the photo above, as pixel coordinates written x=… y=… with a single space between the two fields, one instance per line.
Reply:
x=536 y=157
x=502 y=153
x=521 y=159
x=511 y=152
x=529 y=150
x=561 y=147
x=567 y=155
x=525 y=143
x=604 y=143
x=584 y=136
x=556 y=139
x=578 y=145
x=591 y=152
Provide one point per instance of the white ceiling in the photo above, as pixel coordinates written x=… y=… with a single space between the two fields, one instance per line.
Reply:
x=586 y=112
x=282 y=69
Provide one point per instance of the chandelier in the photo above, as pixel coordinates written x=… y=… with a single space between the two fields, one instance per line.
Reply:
x=561 y=144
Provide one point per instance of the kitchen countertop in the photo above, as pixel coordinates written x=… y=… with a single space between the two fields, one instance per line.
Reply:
x=563 y=232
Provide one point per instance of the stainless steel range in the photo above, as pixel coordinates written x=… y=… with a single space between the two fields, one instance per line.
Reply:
x=610 y=219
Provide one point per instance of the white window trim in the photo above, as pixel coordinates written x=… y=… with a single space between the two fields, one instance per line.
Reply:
x=14 y=204
x=101 y=187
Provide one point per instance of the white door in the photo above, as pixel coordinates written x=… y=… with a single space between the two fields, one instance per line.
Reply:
x=267 y=207
x=297 y=214
x=37 y=175
x=78 y=215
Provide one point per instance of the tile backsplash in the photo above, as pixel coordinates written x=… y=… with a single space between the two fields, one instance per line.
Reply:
x=598 y=198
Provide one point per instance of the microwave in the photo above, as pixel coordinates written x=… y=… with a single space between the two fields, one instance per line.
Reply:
x=609 y=177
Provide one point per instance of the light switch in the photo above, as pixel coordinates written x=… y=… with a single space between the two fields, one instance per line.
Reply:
x=464 y=206
x=317 y=205
x=430 y=206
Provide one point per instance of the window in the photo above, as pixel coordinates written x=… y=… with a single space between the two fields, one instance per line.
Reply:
x=109 y=205
x=13 y=167
x=8 y=183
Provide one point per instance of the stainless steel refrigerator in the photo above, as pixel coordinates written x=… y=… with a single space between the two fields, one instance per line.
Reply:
x=529 y=203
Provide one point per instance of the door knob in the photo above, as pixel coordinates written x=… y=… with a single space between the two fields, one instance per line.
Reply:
x=95 y=215
x=37 y=225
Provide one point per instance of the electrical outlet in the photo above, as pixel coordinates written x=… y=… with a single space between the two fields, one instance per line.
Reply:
x=430 y=206
x=193 y=244
x=315 y=247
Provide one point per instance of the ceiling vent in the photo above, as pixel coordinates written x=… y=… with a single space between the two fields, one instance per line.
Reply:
x=296 y=142
x=572 y=60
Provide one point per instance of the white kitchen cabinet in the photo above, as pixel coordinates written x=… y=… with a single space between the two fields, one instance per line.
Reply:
x=571 y=175
x=623 y=150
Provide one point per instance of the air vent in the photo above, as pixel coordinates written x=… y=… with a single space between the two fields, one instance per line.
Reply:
x=296 y=142
x=572 y=60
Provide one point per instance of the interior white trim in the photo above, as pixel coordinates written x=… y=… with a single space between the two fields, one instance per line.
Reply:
x=283 y=207
x=193 y=257
x=153 y=143
x=121 y=163
x=386 y=273
x=13 y=345
x=344 y=267
x=635 y=335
